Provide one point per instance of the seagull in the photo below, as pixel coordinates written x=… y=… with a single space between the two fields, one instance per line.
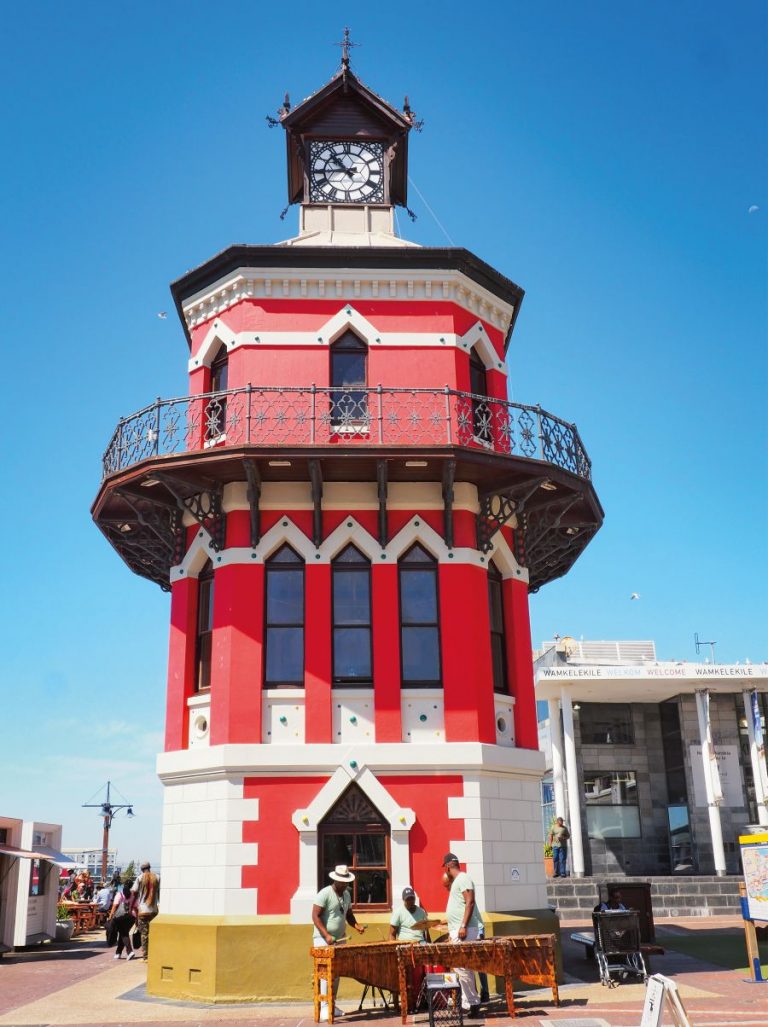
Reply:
x=163 y=314
x=635 y=595
x=753 y=209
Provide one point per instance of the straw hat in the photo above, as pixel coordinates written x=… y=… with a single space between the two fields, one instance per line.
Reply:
x=342 y=873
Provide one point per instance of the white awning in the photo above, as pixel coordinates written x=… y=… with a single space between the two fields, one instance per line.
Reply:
x=59 y=858
x=11 y=850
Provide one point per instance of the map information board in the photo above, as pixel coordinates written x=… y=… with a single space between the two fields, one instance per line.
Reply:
x=754 y=859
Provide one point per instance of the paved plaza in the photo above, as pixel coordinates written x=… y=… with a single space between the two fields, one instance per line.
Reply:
x=81 y=984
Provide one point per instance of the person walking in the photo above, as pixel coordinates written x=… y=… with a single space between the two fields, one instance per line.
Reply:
x=464 y=924
x=147 y=891
x=558 y=839
x=122 y=918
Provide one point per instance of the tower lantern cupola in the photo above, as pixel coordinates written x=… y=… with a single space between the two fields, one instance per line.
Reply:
x=347 y=160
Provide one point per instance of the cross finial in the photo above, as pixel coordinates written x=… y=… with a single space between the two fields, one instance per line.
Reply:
x=346 y=46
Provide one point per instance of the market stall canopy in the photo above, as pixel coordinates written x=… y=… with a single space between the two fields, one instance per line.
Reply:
x=59 y=858
x=11 y=850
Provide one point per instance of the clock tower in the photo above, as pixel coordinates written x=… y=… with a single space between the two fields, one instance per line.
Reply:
x=349 y=516
x=347 y=162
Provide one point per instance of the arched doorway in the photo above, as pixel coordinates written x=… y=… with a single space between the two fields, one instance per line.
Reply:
x=354 y=832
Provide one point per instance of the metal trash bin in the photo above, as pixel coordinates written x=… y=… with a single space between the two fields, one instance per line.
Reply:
x=443 y=994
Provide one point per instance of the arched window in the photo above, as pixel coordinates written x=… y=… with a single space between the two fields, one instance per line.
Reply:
x=349 y=377
x=354 y=832
x=204 y=638
x=419 y=619
x=498 y=641
x=351 y=578
x=478 y=386
x=284 y=619
x=216 y=411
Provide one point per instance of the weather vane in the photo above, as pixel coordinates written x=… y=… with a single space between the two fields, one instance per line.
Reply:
x=346 y=45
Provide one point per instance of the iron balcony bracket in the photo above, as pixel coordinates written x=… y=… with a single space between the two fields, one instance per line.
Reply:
x=449 y=474
x=202 y=500
x=316 y=478
x=253 y=492
x=498 y=508
x=381 y=480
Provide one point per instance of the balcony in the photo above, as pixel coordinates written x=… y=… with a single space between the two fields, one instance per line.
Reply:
x=275 y=418
x=177 y=456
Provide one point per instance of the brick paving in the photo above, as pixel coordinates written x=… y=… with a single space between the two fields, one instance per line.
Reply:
x=81 y=985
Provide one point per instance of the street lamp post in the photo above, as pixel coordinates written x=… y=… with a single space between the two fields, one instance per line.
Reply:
x=108 y=811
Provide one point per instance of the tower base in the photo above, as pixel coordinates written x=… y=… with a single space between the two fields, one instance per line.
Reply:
x=221 y=959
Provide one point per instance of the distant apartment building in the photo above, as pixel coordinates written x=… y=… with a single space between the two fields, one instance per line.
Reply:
x=90 y=859
x=656 y=765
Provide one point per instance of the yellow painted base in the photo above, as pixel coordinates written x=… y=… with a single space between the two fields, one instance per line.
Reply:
x=266 y=959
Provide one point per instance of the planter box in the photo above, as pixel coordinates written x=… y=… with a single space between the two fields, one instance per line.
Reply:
x=549 y=866
x=64 y=929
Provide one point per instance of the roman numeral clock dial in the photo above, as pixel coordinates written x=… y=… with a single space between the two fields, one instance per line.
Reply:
x=346 y=172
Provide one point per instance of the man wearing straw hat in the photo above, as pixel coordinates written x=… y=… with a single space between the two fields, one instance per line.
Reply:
x=331 y=912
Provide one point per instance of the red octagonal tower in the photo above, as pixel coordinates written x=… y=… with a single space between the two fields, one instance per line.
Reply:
x=349 y=516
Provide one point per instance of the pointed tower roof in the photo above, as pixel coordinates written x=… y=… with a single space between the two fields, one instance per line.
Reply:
x=345 y=108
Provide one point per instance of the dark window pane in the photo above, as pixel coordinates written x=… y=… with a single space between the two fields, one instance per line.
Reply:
x=371 y=886
x=610 y=788
x=421 y=654
x=351 y=554
x=285 y=597
x=220 y=373
x=285 y=655
x=352 y=653
x=418 y=596
x=351 y=597
x=347 y=369
x=370 y=850
x=606 y=724
x=285 y=555
x=337 y=850
x=495 y=605
x=497 y=655
x=477 y=379
x=417 y=554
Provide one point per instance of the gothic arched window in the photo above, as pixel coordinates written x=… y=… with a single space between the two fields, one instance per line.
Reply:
x=351 y=579
x=498 y=639
x=284 y=619
x=349 y=377
x=354 y=832
x=204 y=636
x=216 y=407
x=481 y=408
x=419 y=618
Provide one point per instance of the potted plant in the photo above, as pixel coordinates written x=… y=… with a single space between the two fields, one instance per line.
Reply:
x=549 y=860
x=64 y=924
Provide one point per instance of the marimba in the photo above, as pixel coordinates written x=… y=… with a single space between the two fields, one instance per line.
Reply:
x=527 y=958
x=373 y=963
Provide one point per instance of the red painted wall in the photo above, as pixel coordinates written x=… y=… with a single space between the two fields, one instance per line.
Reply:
x=517 y=625
x=465 y=635
x=386 y=653
x=432 y=834
x=277 y=873
x=237 y=654
x=317 y=654
x=181 y=662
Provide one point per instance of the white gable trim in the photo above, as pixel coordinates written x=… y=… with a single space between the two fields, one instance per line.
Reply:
x=477 y=338
x=401 y=820
x=349 y=530
x=218 y=335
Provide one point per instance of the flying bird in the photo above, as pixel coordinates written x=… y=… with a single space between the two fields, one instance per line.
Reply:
x=635 y=595
x=753 y=209
x=163 y=314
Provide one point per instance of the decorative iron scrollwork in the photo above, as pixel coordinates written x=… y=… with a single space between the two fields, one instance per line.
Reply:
x=202 y=500
x=498 y=508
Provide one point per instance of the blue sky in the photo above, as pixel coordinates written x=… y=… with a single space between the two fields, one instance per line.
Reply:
x=603 y=155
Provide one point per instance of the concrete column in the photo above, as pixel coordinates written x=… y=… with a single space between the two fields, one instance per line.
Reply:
x=758 y=762
x=556 y=737
x=707 y=754
x=573 y=783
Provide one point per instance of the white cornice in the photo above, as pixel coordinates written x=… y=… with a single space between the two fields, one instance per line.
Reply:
x=346 y=284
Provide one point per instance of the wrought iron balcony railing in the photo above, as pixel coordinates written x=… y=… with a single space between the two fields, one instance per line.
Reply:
x=319 y=417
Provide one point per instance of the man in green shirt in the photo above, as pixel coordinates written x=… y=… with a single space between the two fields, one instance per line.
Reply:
x=409 y=922
x=464 y=924
x=331 y=912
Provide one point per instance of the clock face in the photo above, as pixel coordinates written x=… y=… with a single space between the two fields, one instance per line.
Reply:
x=346 y=172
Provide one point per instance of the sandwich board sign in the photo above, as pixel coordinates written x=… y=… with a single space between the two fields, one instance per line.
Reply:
x=661 y=993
